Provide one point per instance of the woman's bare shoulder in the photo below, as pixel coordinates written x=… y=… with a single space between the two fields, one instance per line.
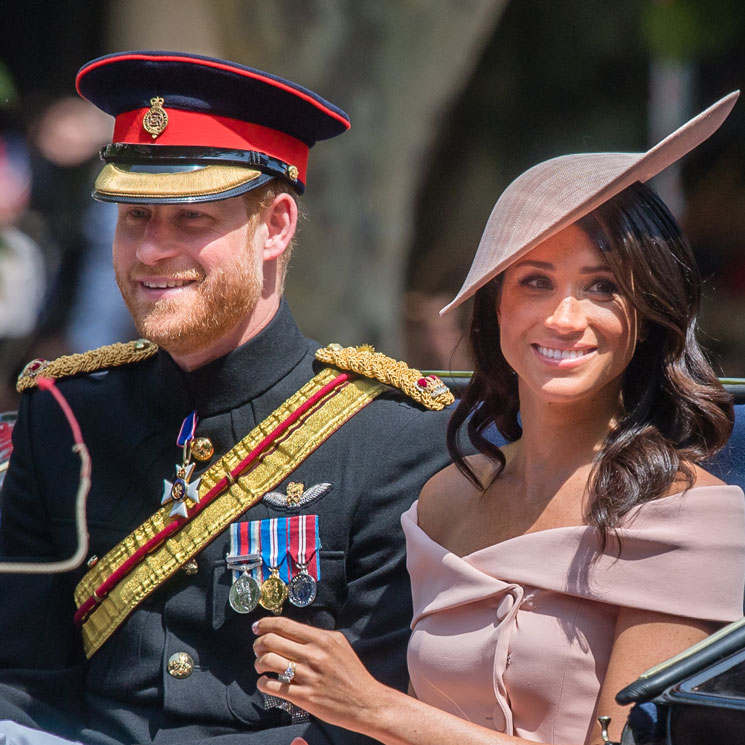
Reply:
x=702 y=477
x=448 y=492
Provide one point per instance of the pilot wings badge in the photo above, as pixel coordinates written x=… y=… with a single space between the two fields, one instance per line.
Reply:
x=297 y=496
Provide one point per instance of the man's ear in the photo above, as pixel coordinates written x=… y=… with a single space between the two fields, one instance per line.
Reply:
x=280 y=218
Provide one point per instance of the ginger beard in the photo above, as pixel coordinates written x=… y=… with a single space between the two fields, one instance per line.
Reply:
x=195 y=316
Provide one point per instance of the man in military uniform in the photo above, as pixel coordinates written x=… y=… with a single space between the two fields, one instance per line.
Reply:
x=237 y=469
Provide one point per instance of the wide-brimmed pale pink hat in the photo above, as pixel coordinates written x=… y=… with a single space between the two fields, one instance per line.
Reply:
x=556 y=193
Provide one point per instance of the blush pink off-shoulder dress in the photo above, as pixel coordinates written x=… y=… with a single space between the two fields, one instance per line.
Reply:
x=517 y=636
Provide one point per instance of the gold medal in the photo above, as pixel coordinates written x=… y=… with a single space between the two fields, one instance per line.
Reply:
x=273 y=592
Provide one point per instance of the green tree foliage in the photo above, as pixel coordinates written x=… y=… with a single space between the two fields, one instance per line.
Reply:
x=690 y=29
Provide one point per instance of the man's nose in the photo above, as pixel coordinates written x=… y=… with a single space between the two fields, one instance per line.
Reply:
x=568 y=315
x=157 y=241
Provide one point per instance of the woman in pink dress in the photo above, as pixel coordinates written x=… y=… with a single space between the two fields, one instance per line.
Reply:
x=549 y=573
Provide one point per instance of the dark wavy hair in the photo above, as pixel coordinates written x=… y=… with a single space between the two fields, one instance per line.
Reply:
x=674 y=412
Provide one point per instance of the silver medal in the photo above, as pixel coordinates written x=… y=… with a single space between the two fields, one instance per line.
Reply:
x=302 y=589
x=244 y=594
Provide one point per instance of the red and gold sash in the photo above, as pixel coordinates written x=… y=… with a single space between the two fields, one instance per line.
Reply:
x=153 y=552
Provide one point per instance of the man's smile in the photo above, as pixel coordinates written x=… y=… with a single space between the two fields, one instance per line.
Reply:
x=163 y=284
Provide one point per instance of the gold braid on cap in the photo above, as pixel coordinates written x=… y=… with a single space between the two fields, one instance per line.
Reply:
x=112 y=355
x=427 y=390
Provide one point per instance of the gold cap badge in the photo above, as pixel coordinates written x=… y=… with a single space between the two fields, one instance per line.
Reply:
x=156 y=119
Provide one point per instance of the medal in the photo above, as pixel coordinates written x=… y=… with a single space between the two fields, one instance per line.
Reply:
x=262 y=573
x=273 y=536
x=273 y=592
x=179 y=490
x=244 y=560
x=302 y=589
x=244 y=594
x=303 y=540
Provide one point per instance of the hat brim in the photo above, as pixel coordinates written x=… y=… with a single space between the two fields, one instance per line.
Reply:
x=202 y=184
x=556 y=193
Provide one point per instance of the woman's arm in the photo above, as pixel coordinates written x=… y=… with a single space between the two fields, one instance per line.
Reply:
x=332 y=684
x=642 y=639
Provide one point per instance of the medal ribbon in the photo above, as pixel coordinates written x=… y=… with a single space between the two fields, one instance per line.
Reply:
x=239 y=544
x=274 y=545
x=188 y=429
x=254 y=547
x=304 y=543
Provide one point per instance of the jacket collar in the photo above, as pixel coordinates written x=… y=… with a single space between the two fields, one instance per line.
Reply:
x=241 y=375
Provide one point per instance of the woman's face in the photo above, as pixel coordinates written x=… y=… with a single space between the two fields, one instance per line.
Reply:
x=565 y=328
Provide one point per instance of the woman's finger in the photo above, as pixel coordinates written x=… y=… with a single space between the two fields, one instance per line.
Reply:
x=274 y=663
x=287 y=628
x=279 y=645
x=293 y=691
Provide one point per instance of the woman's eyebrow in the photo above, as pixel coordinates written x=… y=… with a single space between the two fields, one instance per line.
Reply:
x=548 y=265
x=536 y=264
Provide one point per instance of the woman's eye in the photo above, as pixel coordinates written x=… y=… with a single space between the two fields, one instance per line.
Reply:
x=604 y=287
x=536 y=282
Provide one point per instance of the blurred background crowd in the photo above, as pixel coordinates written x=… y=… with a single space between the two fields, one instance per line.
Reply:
x=449 y=101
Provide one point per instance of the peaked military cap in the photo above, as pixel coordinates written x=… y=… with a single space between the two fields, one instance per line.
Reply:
x=190 y=128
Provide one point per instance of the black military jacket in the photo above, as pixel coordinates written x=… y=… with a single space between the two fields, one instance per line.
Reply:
x=130 y=417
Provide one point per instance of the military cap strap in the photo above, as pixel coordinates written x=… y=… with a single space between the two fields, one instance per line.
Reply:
x=153 y=552
x=427 y=390
x=122 y=153
x=113 y=355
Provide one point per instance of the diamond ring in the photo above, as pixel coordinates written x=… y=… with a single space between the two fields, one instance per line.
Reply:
x=288 y=674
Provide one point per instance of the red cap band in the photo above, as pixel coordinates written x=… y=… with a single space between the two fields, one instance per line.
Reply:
x=193 y=128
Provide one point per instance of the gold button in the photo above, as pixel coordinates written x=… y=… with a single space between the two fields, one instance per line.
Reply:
x=180 y=665
x=202 y=448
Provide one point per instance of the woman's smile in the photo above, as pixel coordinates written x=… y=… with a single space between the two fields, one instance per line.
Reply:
x=562 y=356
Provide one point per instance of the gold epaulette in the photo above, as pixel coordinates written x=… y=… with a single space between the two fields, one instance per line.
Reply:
x=113 y=355
x=427 y=390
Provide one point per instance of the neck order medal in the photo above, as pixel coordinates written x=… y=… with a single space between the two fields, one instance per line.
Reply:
x=180 y=491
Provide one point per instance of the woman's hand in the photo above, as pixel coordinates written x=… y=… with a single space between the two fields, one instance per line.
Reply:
x=329 y=680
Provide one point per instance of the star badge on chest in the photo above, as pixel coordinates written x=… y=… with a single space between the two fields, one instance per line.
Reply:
x=179 y=490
